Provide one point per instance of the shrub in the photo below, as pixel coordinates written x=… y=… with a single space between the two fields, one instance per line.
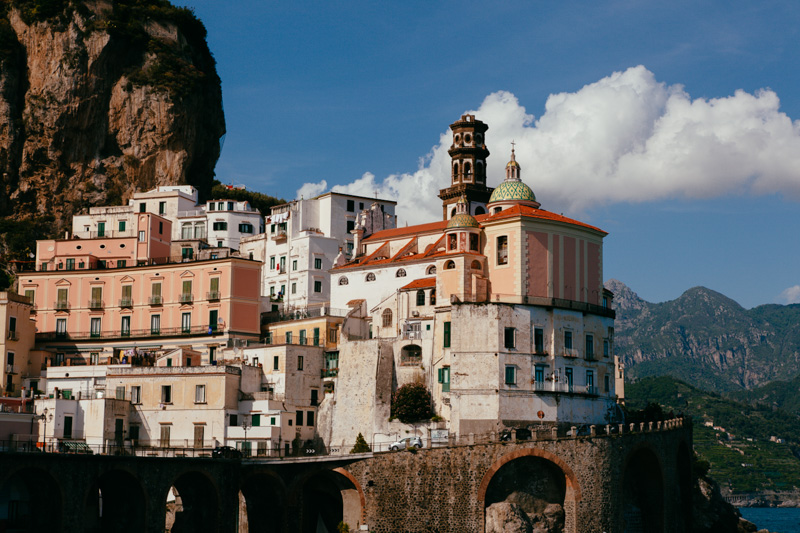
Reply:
x=411 y=402
x=361 y=445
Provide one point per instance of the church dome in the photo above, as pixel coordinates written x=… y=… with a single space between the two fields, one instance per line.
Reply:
x=462 y=220
x=511 y=190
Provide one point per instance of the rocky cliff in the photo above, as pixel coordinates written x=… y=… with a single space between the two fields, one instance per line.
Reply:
x=99 y=99
x=706 y=339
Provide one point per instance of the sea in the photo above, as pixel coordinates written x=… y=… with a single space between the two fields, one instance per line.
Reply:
x=776 y=520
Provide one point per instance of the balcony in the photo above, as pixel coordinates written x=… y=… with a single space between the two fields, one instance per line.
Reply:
x=61 y=306
x=570 y=352
x=330 y=372
x=186 y=298
x=12 y=369
x=126 y=302
x=96 y=304
x=155 y=300
x=279 y=235
x=131 y=333
x=12 y=336
x=213 y=295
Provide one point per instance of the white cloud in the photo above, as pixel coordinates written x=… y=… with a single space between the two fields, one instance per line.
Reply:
x=791 y=295
x=310 y=190
x=624 y=138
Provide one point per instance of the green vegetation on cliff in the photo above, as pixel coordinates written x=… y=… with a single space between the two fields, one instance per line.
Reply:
x=739 y=450
x=258 y=200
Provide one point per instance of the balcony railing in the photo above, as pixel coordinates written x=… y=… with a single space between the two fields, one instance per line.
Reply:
x=155 y=300
x=330 y=372
x=212 y=295
x=126 y=302
x=11 y=369
x=61 y=306
x=12 y=336
x=96 y=304
x=279 y=235
x=186 y=298
x=563 y=387
x=117 y=334
x=570 y=352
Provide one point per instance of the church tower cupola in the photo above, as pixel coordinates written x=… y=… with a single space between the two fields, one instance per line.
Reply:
x=512 y=191
x=468 y=155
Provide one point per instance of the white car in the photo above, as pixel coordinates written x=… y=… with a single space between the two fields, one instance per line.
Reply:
x=406 y=442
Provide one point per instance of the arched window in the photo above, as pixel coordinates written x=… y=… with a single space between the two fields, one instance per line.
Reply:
x=473 y=242
x=387 y=318
x=502 y=250
x=479 y=211
x=452 y=241
x=433 y=297
x=455 y=171
x=452 y=212
x=467 y=171
x=420 y=297
x=431 y=270
x=370 y=277
x=343 y=281
x=450 y=265
x=478 y=170
x=476 y=265
x=400 y=273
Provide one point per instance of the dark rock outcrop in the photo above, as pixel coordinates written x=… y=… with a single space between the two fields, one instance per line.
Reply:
x=99 y=99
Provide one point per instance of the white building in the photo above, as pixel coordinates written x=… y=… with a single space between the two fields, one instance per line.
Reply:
x=303 y=239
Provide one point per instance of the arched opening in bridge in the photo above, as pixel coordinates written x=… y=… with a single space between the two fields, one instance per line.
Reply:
x=328 y=499
x=643 y=494
x=529 y=491
x=30 y=500
x=263 y=503
x=192 y=504
x=115 y=503
x=685 y=484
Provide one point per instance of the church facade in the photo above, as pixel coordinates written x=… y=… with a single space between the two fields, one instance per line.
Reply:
x=498 y=308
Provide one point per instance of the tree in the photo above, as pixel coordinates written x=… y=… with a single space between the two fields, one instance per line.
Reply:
x=411 y=402
x=361 y=445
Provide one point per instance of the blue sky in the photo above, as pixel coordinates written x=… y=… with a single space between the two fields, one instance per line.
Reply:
x=671 y=125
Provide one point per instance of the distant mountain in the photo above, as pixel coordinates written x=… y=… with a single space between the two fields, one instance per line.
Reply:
x=706 y=339
x=777 y=394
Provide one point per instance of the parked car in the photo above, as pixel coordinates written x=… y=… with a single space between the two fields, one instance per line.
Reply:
x=226 y=452
x=406 y=442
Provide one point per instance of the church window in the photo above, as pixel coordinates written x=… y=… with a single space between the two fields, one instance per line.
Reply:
x=502 y=250
x=420 y=297
x=452 y=212
x=370 y=277
x=476 y=265
x=452 y=243
x=343 y=281
x=450 y=265
x=455 y=171
x=473 y=242
x=433 y=297
x=387 y=318
x=431 y=270
x=479 y=211
x=467 y=171
x=401 y=273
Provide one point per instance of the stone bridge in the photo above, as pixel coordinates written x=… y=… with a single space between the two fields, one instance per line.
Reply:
x=636 y=481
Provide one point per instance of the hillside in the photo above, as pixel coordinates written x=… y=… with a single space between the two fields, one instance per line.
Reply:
x=706 y=339
x=99 y=99
x=735 y=438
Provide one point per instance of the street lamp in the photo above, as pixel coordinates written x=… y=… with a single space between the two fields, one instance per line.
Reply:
x=44 y=417
x=246 y=424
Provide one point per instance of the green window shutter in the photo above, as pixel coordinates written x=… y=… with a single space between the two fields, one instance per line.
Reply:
x=187 y=287
x=440 y=374
x=214 y=284
x=256 y=420
x=447 y=334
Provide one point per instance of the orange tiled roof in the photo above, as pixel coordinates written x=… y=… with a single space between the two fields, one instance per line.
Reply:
x=528 y=211
x=422 y=283
x=430 y=227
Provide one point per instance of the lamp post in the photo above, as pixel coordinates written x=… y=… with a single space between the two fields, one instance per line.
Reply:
x=44 y=417
x=246 y=424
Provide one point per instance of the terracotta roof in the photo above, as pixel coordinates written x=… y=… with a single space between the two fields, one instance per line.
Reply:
x=531 y=212
x=422 y=283
x=430 y=227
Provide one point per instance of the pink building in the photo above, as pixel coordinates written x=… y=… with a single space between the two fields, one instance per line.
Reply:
x=100 y=300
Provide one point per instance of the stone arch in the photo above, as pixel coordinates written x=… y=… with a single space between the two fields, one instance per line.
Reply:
x=684 y=467
x=642 y=492
x=431 y=270
x=265 y=501
x=411 y=354
x=329 y=497
x=198 y=508
x=32 y=500
x=116 y=502
x=476 y=265
x=556 y=481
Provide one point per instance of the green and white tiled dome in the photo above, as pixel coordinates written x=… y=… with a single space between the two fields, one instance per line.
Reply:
x=462 y=220
x=511 y=190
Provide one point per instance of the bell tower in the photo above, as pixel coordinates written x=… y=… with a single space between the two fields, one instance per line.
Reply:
x=468 y=155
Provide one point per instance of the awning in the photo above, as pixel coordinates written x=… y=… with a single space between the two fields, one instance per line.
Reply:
x=76 y=447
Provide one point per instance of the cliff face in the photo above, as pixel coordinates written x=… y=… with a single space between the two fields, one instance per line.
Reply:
x=101 y=99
